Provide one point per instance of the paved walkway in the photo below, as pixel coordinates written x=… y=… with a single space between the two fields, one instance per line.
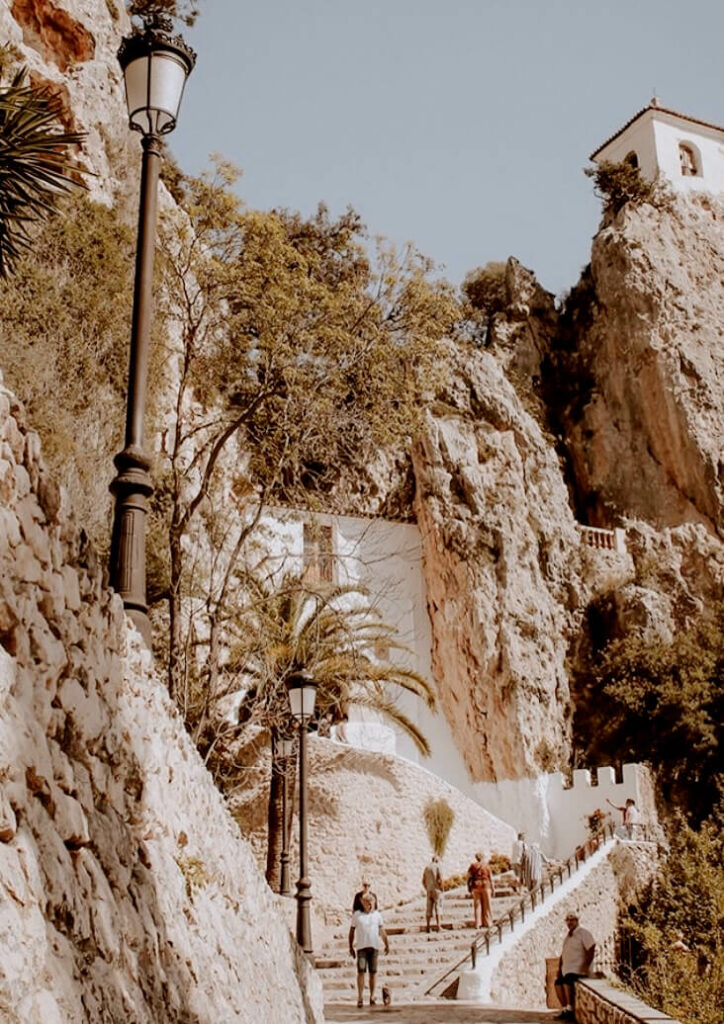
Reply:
x=444 y=1012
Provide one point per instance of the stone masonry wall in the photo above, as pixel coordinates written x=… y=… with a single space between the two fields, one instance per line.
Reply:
x=598 y=1002
x=126 y=891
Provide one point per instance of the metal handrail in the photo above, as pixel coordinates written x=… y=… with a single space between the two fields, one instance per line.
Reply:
x=529 y=900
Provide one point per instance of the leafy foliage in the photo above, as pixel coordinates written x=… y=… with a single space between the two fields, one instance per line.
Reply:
x=622 y=183
x=439 y=817
x=287 y=626
x=673 y=936
x=670 y=693
x=186 y=11
x=296 y=344
x=484 y=294
x=36 y=167
x=64 y=337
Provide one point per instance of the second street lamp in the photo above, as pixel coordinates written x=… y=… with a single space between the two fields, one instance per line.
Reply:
x=155 y=67
x=302 y=691
x=285 y=746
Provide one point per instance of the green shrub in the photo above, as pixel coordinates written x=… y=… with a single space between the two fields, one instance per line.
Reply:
x=672 y=937
x=619 y=184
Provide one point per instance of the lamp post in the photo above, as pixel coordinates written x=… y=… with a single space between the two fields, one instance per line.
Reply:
x=302 y=691
x=155 y=66
x=285 y=746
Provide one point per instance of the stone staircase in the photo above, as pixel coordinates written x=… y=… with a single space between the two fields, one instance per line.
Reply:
x=416 y=959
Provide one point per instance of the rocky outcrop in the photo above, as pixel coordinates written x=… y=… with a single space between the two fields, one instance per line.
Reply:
x=678 y=577
x=128 y=893
x=649 y=438
x=501 y=561
x=56 y=35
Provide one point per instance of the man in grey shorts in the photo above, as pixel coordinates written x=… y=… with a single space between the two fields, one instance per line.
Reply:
x=365 y=935
x=432 y=884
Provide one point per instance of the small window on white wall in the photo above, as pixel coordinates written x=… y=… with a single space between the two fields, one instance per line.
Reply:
x=632 y=158
x=689 y=160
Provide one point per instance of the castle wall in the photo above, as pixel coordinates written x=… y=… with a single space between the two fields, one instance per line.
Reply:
x=128 y=893
x=554 y=814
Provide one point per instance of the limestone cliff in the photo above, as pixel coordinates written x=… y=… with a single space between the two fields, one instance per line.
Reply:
x=500 y=548
x=646 y=440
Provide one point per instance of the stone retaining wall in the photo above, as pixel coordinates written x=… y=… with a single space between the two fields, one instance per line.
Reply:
x=599 y=1002
x=127 y=893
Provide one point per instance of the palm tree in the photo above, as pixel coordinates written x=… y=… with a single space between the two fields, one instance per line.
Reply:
x=329 y=632
x=36 y=167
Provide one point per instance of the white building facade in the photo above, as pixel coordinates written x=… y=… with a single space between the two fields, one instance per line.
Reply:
x=684 y=151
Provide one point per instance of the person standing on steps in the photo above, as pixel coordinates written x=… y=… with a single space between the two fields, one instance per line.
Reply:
x=432 y=884
x=631 y=818
x=365 y=935
x=364 y=891
x=577 y=956
x=480 y=884
x=516 y=856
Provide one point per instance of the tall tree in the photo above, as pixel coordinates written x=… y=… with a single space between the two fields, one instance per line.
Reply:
x=299 y=354
x=331 y=632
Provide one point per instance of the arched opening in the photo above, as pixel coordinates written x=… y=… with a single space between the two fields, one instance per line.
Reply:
x=689 y=160
x=631 y=158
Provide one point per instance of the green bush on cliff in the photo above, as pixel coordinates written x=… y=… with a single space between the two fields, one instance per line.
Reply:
x=619 y=184
x=672 y=938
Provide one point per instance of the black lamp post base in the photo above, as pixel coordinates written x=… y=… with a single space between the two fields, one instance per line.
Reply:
x=132 y=487
x=304 y=922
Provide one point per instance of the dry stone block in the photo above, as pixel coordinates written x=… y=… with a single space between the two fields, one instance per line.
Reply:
x=9 y=530
x=8 y=821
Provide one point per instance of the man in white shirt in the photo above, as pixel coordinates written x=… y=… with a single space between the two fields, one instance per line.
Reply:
x=575 y=962
x=365 y=933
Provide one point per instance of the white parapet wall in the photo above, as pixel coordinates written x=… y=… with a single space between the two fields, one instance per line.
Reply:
x=554 y=813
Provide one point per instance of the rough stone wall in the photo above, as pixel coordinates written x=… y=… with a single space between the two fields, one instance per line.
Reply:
x=366 y=818
x=502 y=563
x=649 y=440
x=128 y=893
x=598 y=1002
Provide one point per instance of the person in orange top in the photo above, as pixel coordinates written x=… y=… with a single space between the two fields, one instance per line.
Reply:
x=480 y=884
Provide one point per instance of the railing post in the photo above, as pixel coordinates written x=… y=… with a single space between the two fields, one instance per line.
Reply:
x=473 y=955
x=487 y=943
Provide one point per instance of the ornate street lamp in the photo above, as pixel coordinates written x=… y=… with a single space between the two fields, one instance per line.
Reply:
x=285 y=748
x=155 y=66
x=302 y=692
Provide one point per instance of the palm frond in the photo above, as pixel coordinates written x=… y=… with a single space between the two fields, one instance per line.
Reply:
x=36 y=167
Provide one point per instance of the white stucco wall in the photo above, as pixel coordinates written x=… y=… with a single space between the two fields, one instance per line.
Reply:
x=656 y=136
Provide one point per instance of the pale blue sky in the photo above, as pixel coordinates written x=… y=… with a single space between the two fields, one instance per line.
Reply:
x=460 y=125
